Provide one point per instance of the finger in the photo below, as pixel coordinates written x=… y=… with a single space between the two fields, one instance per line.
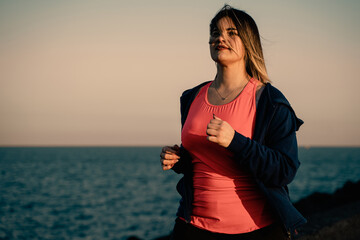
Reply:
x=212 y=139
x=213 y=126
x=167 y=162
x=211 y=132
x=168 y=149
x=216 y=117
x=169 y=156
x=215 y=121
x=167 y=167
x=176 y=149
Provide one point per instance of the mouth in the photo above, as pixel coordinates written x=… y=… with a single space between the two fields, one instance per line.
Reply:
x=221 y=47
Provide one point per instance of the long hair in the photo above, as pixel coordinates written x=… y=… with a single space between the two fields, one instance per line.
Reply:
x=249 y=35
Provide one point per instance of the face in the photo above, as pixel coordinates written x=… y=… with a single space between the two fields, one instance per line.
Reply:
x=226 y=46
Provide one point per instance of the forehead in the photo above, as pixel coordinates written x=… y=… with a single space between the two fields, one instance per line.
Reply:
x=225 y=23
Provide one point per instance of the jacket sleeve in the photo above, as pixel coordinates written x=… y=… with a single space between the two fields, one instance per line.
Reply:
x=275 y=162
x=182 y=165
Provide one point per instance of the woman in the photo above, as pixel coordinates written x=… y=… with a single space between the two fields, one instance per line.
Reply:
x=239 y=148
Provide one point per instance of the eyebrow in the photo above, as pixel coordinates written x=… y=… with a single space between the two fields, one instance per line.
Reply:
x=228 y=29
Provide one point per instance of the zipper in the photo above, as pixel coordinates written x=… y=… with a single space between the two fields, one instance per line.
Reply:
x=288 y=235
x=287 y=231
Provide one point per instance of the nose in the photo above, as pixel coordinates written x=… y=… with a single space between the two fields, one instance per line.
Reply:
x=219 y=38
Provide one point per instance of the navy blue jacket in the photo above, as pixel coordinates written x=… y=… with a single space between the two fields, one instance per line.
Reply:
x=271 y=155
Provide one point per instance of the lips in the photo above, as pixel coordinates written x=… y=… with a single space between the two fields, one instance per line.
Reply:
x=221 y=47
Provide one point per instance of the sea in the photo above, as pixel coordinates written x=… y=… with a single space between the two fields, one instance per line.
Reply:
x=119 y=192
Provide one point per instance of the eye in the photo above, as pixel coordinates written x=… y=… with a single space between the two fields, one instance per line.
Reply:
x=215 y=33
x=232 y=33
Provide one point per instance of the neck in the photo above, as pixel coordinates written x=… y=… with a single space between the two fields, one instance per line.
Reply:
x=232 y=76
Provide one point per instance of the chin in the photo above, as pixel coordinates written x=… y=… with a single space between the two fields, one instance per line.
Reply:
x=219 y=58
x=223 y=61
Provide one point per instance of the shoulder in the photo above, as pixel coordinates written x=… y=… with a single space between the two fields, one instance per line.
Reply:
x=275 y=99
x=189 y=93
x=194 y=89
x=275 y=96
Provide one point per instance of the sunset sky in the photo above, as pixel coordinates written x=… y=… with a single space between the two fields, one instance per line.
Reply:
x=104 y=73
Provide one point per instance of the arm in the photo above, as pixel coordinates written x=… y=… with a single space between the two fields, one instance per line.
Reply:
x=183 y=164
x=275 y=163
x=175 y=158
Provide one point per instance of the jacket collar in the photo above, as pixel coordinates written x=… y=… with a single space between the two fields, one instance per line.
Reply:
x=274 y=97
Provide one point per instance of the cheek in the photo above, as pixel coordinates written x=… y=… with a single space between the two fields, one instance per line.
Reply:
x=212 y=48
x=212 y=54
x=239 y=47
x=211 y=40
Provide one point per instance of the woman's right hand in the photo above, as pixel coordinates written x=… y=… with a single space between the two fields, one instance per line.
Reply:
x=169 y=156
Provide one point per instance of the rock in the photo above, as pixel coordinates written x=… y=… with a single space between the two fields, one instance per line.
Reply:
x=163 y=238
x=346 y=229
x=318 y=202
x=329 y=212
x=133 y=238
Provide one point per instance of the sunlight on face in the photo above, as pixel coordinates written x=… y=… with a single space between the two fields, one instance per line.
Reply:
x=225 y=43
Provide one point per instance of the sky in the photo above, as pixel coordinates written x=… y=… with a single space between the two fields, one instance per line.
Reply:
x=110 y=73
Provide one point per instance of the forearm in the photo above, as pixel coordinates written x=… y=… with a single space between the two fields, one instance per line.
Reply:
x=273 y=166
x=183 y=164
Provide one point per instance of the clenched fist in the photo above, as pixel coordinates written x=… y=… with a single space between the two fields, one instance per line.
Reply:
x=169 y=156
x=220 y=132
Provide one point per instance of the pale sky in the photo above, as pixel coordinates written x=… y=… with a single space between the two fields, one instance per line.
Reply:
x=111 y=72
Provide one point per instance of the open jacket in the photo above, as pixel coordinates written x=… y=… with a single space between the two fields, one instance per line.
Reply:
x=271 y=155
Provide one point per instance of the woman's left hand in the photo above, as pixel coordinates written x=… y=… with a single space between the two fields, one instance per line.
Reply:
x=220 y=132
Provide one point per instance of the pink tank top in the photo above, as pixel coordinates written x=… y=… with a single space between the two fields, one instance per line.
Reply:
x=226 y=196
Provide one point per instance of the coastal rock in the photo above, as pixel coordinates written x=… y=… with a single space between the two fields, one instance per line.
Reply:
x=319 y=202
x=133 y=238
x=346 y=229
x=331 y=216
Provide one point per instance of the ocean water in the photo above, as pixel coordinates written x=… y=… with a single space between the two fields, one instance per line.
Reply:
x=118 y=192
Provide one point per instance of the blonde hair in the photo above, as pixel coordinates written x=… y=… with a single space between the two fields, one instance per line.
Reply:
x=249 y=35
